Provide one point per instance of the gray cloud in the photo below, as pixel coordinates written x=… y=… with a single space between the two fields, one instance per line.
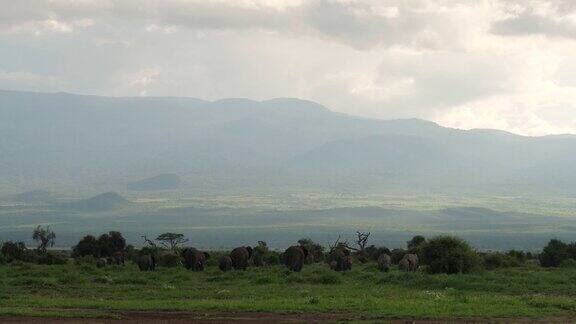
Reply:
x=447 y=60
x=532 y=24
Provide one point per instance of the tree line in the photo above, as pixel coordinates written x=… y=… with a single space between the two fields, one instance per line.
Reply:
x=439 y=254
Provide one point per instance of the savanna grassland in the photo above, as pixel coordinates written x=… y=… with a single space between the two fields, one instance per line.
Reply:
x=82 y=290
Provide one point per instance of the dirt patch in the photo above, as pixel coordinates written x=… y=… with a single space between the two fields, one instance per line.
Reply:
x=259 y=317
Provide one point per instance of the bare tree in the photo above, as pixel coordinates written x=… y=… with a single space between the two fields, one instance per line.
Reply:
x=362 y=241
x=149 y=241
x=337 y=244
x=44 y=236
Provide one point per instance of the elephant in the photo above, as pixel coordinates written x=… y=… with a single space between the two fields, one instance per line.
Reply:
x=342 y=259
x=409 y=263
x=384 y=262
x=225 y=263
x=194 y=259
x=294 y=257
x=101 y=263
x=240 y=257
x=147 y=262
x=117 y=258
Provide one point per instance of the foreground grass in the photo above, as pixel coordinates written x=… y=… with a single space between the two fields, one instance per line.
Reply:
x=85 y=291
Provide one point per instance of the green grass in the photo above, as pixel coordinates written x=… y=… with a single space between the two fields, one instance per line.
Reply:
x=85 y=291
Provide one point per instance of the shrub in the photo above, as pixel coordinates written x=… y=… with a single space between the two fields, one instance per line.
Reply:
x=373 y=252
x=110 y=243
x=13 y=251
x=493 y=261
x=260 y=253
x=273 y=258
x=554 y=253
x=519 y=256
x=169 y=260
x=416 y=241
x=315 y=250
x=397 y=255
x=51 y=258
x=447 y=254
x=87 y=246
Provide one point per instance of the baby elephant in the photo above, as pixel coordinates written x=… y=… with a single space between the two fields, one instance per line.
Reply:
x=225 y=263
x=384 y=262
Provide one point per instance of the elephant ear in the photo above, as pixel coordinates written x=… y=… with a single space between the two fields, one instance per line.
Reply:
x=250 y=251
x=206 y=255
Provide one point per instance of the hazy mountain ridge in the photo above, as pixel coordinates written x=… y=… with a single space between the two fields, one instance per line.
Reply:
x=92 y=143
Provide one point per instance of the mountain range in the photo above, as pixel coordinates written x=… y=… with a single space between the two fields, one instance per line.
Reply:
x=77 y=143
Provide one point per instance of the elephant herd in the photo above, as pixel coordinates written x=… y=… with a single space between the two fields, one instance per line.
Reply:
x=294 y=258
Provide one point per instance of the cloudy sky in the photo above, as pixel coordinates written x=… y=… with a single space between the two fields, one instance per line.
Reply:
x=505 y=64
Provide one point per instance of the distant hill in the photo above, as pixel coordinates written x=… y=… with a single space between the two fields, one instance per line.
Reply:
x=159 y=182
x=86 y=143
x=35 y=197
x=102 y=202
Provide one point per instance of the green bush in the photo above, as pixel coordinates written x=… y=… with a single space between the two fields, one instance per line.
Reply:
x=272 y=258
x=50 y=258
x=14 y=251
x=373 y=252
x=495 y=260
x=554 y=253
x=169 y=260
x=447 y=254
x=397 y=254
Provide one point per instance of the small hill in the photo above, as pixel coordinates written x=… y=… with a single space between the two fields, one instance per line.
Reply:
x=101 y=202
x=159 y=182
x=35 y=197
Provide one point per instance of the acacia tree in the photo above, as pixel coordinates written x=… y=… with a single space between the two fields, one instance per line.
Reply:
x=171 y=240
x=44 y=236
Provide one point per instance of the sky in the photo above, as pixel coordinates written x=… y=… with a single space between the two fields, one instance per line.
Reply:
x=503 y=64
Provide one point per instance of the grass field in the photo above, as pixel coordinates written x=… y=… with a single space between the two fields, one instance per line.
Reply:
x=83 y=290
